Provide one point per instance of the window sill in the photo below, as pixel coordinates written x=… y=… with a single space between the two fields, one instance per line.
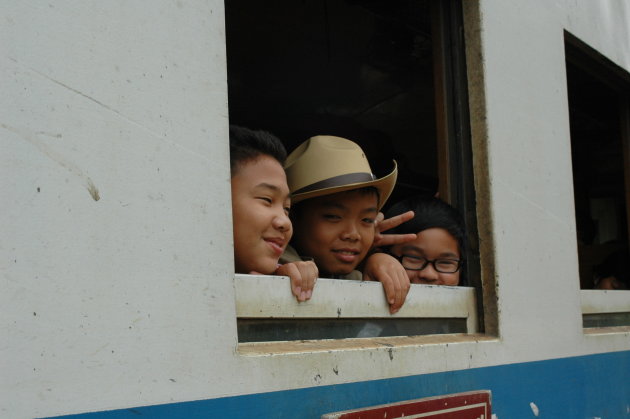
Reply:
x=310 y=346
x=262 y=301
x=603 y=310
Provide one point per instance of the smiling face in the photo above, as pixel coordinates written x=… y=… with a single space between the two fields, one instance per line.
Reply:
x=260 y=207
x=431 y=244
x=336 y=230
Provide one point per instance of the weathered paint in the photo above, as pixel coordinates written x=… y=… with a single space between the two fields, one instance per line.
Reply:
x=128 y=300
x=549 y=385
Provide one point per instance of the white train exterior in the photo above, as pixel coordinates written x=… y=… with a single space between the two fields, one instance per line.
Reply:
x=118 y=293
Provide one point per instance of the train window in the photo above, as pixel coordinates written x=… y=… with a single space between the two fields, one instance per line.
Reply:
x=599 y=118
x=391 y=76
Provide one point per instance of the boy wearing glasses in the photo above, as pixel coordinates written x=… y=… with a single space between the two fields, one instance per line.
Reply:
x=436 y=256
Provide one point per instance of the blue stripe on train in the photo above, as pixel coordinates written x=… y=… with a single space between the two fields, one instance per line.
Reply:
x=593 y=386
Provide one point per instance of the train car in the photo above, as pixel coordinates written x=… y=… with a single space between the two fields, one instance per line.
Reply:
x=119 y=296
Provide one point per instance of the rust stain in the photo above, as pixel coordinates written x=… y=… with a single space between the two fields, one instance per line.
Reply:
x=93 y=190
x=58 y=158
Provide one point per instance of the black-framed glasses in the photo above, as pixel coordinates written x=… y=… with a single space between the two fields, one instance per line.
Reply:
x=418 y=263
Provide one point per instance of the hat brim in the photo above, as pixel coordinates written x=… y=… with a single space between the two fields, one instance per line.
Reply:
x=384 y=185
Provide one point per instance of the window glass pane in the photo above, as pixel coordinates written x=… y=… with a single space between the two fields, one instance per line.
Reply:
x=266 y=330
x=606 y=319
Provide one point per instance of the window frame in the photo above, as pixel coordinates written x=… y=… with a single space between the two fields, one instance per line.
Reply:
x=596 y=65
x=455 y=148
x=456 y=186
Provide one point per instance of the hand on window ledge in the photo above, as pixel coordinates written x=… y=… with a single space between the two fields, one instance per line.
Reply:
x=303 y=276
x=389 y=272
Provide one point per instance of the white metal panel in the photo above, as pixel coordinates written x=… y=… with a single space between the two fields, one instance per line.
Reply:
x=115 y=226
x=530 y=170
x=532 y=203
x=270 y=296
x=128 y=300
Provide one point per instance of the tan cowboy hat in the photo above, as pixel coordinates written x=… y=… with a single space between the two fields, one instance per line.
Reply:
x=324 y=165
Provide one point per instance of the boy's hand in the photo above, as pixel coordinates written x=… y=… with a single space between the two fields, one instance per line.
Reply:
x=389 y=272
x=303 y=276
x=384 y=225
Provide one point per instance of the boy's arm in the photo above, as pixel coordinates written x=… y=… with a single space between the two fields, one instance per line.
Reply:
x=389 y=272
x=384 y=225
x=303 y=275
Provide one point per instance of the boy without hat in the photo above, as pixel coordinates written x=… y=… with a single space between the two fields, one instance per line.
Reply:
x=260 y=207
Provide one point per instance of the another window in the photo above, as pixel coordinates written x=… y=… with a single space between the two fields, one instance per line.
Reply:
x=599 y=120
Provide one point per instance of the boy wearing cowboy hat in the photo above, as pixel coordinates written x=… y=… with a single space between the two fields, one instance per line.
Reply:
x=336 y=203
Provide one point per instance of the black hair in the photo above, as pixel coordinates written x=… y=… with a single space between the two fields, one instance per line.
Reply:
x=616 y=264
x=247 y=144
x=429 y=213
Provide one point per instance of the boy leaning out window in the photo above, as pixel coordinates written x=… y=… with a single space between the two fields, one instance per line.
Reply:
x=336 y=202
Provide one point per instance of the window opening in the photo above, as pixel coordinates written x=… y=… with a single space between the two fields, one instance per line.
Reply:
x=359 y=69
x=598 y=121
x=598 y=93
x=387 y=75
